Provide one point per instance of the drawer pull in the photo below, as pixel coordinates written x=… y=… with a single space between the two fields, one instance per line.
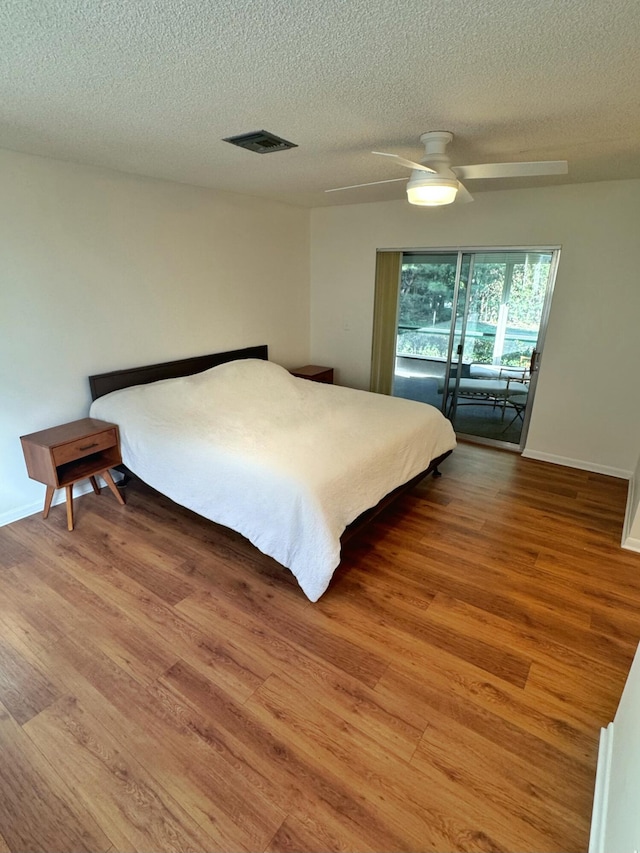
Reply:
x=89 y=446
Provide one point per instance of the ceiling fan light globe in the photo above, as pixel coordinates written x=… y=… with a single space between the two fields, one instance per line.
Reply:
x=432 y=192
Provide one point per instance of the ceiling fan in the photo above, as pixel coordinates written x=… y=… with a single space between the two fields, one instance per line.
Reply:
x=434 y=181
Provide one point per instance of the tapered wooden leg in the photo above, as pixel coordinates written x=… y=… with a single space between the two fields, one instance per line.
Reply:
x=94 y=485
x=47 y=501
x=69 y=491
x=106 y=476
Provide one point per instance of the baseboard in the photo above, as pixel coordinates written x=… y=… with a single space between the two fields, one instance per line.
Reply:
x=621 y=473
x=601 y=791
x=26 y=510
x=631 y=544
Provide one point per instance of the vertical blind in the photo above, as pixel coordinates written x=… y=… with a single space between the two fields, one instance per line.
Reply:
x=385 y=316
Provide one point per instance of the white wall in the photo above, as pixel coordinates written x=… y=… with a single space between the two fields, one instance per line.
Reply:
x=615 y=826
x=587 y=404
x=102 y=270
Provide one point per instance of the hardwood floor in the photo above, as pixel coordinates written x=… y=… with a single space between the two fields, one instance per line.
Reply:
x=164 y=686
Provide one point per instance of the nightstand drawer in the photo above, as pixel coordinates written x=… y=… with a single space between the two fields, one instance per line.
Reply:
x=84 y=446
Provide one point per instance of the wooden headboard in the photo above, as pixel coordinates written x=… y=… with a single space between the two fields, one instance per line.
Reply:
x=104 y=383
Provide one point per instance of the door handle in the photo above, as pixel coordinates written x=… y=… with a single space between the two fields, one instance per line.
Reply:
x=534 y=364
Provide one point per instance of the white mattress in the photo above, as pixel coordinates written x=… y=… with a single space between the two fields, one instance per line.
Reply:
x=286 y=462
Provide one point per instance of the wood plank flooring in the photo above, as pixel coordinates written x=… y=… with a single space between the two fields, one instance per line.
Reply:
x=164 y=686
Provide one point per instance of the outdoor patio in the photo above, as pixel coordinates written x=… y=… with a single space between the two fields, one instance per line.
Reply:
x=417 y=379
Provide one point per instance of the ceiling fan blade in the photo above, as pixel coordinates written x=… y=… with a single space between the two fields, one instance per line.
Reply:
x=512 y=170
x=408 y=163
x=370 y=184
x=463 y=195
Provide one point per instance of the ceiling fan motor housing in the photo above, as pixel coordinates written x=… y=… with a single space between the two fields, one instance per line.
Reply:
x=435 y=143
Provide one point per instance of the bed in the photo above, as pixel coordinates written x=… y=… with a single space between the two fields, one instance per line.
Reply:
x=290 y=464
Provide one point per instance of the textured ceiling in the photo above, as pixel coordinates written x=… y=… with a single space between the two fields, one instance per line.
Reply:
x=152 y=86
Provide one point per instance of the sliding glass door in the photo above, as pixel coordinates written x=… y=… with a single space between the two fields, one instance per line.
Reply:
x=469 y=335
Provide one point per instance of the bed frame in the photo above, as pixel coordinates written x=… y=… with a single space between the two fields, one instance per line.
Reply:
x=105 y=383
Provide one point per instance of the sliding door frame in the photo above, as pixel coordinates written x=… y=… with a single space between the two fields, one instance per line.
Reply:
x=554 y=251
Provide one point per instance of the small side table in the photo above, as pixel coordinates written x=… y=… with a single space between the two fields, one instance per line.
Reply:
x=314 y=372
x=62 y=455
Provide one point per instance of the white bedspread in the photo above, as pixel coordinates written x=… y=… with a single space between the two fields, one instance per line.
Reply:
x=286 y=462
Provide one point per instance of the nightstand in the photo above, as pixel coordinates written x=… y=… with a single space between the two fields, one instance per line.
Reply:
x=62 y=455
x=314 y=372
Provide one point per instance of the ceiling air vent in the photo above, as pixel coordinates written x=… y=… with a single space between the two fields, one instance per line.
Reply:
x=260 y=141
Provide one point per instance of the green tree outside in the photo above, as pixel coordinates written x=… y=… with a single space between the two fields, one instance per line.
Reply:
x=426 y=305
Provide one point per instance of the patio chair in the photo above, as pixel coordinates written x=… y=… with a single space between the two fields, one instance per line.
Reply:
x=519 y=403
